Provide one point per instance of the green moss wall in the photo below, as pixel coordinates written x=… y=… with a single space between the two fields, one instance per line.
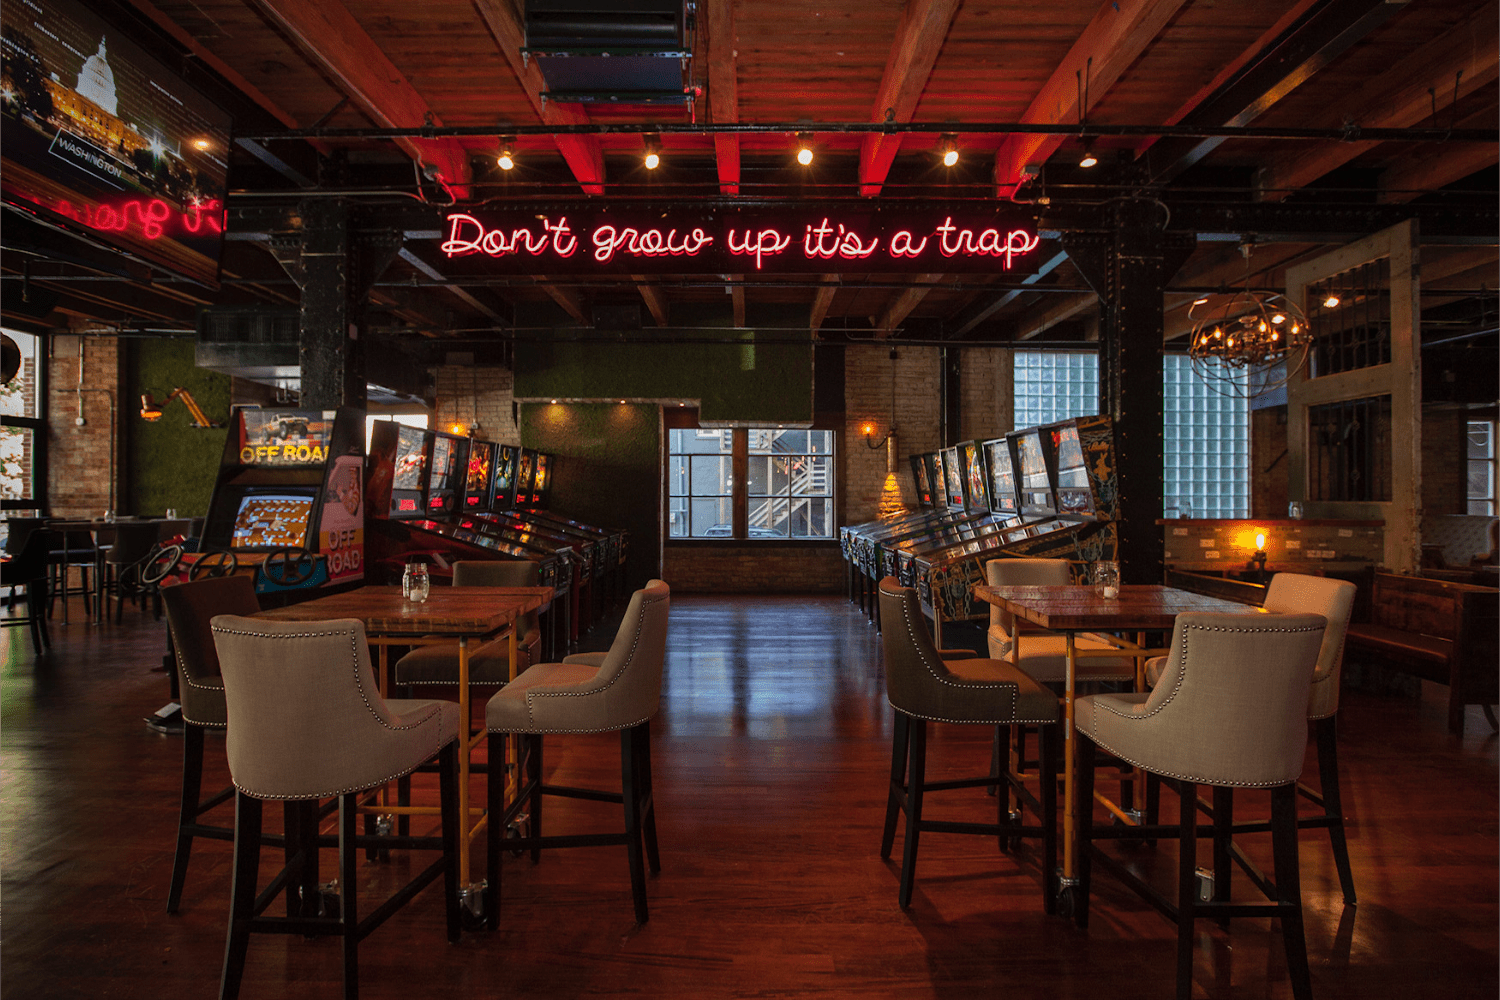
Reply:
x=745 y=382
x=172 y=463
x=607 y=470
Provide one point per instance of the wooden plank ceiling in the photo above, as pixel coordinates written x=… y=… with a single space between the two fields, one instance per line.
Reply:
x=371 y=63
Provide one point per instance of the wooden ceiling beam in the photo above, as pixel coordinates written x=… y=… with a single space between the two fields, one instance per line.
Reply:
x=821 y=302
x=723 y=90
x=1115 y=38
x=902 y=303
x=983 y=310
x=567 y=298
x=1305 y=40
x=1039 y=321
x=1397 y=98
x=919 y=38
x=584 y=155
x=330 y=37
x=655 y=300
x=1424 y=172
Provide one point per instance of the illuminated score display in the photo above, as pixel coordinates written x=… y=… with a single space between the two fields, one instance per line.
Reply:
x=869 y=240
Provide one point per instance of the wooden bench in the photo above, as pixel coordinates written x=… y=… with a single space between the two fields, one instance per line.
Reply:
x=1438 y=631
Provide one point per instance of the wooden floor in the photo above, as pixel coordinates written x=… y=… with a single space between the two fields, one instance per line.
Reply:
x=770 y=753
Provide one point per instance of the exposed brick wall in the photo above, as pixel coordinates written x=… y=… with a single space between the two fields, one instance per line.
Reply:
x=987 y=398
x=1445 y=469
x=79 y=458
x=465 y=392
x=753 y=569
x=867 y=398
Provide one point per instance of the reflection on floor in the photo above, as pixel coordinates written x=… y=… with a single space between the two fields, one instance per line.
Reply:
x=771 y=754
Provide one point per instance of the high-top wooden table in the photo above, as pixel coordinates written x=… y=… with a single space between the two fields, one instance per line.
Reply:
x=465 y=614
x=1139 y=608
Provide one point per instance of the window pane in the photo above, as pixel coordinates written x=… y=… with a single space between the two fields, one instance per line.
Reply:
x=18 y=398
x=1481 y=439
x=1053 y=385
x=710 y=475
x=759 y=475
x=16 y=479
x=712 y=518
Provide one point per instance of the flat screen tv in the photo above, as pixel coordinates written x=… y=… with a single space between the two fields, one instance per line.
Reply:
x=273 y=519
x=102 y=139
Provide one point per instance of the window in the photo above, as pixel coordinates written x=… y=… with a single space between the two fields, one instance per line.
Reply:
x=1481 y=467
x=23 y=434
x=1349 y=450
x=1206 y=436
x=786 y=483
x=700 y=484
x=791 y=484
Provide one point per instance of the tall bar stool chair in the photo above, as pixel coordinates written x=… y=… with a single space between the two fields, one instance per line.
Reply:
x=922 y=686
x=1292 y=593
x=1230 y=711
x=307 y=722
x=587 y=693
x=121 y=575
x=28 y=566
x=190 y=607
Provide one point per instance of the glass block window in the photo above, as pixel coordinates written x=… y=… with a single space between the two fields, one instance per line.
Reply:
x=790 y=483
x=700 y=484
x=1205 y=446
x=1053 y=385
x=1481 y=499
x=1206 y=436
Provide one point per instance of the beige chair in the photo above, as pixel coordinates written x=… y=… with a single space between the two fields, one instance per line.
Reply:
x=1228 y=712
x=1291 y=593
x=1044 y=654
x=589 y=693
x=922 y=686
x=307 y=722
x=200 y=690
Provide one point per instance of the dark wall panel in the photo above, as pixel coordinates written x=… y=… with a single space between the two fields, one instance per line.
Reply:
x=172 y=463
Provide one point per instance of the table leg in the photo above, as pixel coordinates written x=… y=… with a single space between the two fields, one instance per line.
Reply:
x=1070 y=820
x=463 y=763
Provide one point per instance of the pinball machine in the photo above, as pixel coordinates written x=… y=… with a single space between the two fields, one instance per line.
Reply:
x=1055 y=499
x=413 y=491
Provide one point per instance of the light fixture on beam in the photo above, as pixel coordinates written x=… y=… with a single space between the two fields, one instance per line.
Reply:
x=151 y=410
x=804 y=148
x=948 y=146
x=1251 y=342
x=507 y=158
x=1088 y=159
x=652 y=159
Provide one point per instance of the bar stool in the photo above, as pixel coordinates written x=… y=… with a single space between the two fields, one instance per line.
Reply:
x=307 y=722
x=190 y=608
x=1291 y=593
x=1229 y=711
x=618 y=692
x=922 y=686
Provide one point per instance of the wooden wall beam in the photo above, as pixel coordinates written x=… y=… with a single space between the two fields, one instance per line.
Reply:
x=723 y=90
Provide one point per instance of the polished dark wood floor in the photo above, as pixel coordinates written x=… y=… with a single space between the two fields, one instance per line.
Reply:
x=770 y=754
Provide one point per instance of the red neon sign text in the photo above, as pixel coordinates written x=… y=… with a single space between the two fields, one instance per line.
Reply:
x=646 y=243
x=767 y=241
x=467 y=235
x=988 y=242
x=842 y=242
x=148 y=218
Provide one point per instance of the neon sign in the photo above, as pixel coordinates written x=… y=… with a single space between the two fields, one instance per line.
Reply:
x=734 y=240
x=147 y=218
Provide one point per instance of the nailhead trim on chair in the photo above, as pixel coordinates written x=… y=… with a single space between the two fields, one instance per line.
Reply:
x=1010 y=685
x=188 y=680
x=634 y=644
x=1106 y=707
x=354 y=649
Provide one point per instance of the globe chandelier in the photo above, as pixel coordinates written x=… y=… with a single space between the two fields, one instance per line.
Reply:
x=1250 y=342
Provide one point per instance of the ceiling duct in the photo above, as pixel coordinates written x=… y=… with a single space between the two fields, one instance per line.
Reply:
x=629 y=52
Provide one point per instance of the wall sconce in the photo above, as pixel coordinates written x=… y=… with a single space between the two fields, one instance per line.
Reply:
x=889 y=442
x=151 y=410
